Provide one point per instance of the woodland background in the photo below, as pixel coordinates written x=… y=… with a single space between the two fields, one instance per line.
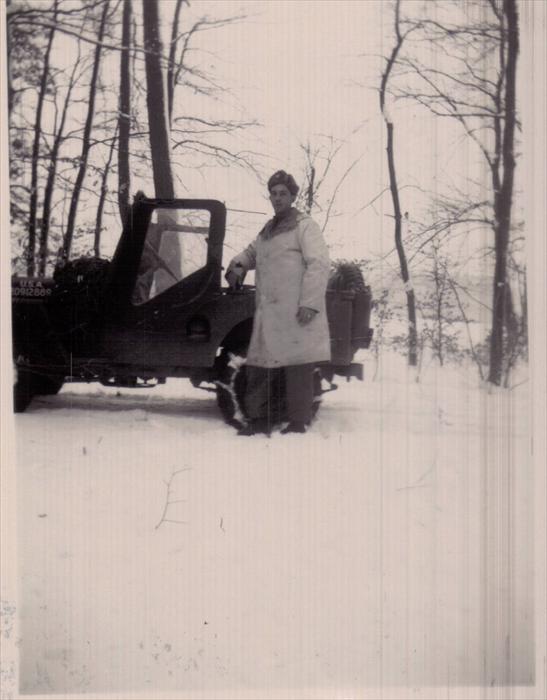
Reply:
x=411 y=169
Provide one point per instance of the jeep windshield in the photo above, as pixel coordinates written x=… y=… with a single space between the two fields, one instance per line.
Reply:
x=175 y=247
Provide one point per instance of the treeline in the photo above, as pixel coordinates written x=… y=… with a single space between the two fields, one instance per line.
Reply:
x=458 y=61
x=97 y=101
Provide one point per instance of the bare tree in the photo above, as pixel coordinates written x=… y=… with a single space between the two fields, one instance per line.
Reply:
x=70 y=150
x=318 y=161
x=503 y=198
x=24 y=54
x=308 y=195
x=102 y=197
x=86 y=139
x=394 y=189
x=474 y=83
x=516 y=320
x=440 y=309
x=53 y=160
x=202 y=140
x=11 y=95
x=124 y=116
x=157 y=102
x=33 y=204
x=172 y=67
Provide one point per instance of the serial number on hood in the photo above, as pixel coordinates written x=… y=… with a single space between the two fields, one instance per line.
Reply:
x=31 y=292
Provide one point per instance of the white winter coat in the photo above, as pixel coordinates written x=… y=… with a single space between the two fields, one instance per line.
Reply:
x=292 y=269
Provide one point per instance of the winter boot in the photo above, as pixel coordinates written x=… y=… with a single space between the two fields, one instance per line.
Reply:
x=258 y=425
x=294 y=427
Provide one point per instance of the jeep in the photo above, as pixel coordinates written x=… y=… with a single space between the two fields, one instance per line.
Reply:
x=158 y=309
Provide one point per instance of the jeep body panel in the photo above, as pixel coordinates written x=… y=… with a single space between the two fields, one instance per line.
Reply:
x=177 y=335
x=33 y=337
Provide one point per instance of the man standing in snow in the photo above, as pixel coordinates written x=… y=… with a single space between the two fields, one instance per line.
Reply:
x=290 y=330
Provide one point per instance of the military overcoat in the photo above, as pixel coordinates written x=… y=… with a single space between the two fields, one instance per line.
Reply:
x=292 y=268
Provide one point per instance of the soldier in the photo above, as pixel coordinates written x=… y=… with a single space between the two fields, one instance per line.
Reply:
x=290 y=330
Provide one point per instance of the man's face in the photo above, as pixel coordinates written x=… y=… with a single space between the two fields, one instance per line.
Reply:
x=281 y=199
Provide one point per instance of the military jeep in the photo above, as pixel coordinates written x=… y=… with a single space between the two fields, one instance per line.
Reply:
x=159 y=309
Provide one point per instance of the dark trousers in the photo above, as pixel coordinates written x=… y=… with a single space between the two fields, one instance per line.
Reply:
x=263 y=388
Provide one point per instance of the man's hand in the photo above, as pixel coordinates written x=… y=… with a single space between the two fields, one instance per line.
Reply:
x=304 y=315
x=235 y=275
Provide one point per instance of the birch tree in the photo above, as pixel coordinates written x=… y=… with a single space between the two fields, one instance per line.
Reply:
x=394 y=189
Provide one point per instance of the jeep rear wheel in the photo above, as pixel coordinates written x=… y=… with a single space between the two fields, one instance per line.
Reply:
x=231 y=386
x=29 y=385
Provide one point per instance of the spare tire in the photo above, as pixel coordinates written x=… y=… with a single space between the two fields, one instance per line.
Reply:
x=83 y=279
x=346 y=277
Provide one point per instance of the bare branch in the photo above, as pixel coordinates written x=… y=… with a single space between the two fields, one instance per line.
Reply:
x=338 y=185
x=168 y=501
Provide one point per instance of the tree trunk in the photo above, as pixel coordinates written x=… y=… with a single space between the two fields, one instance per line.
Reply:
x=310 y=193
x=503 y=199
x=33 y=204
x=439 y=299
x=102 y=198
x=172 y=58
x=11 y=91
x=52 y=172
x=86 y=142
x=124 y=117
x=524 y=308
x=410 y=299
x=156 y=100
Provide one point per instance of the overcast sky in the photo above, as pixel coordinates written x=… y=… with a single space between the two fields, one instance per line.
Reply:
x=308 y=69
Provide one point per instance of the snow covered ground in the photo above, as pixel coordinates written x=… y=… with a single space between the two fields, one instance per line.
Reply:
x=392 y=545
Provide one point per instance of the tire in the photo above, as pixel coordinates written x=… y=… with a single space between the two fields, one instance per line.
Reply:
x=47 y=386
x=232 y=384
x=346 y=276
x=29 y=385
